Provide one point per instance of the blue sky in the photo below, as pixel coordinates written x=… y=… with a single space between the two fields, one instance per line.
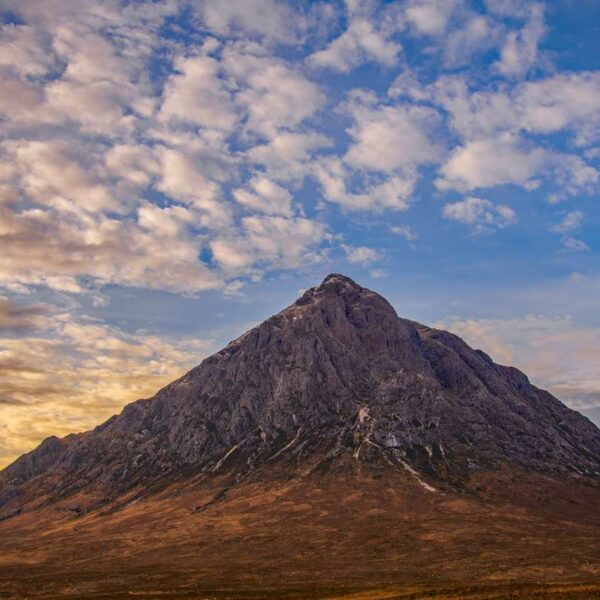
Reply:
x=174 y=172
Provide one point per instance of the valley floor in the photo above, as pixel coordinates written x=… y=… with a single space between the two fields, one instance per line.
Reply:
x=343 y=535
x=97 y=587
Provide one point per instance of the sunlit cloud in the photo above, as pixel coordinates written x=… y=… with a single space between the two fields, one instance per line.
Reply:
x=71 y=374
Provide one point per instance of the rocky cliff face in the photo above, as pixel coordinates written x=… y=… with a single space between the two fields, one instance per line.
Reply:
x=337 y=373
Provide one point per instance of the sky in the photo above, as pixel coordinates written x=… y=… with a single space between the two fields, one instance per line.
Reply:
x=173 y=172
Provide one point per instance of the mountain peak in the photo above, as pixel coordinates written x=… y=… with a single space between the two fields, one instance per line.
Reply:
x=338 y=278
x=339 y=290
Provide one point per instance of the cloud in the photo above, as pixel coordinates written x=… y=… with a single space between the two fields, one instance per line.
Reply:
x=391 y=192
x=570 y=222
x=481 y=214
x=565 y=101
x=572 y=176
x=266 y=197
x=19 y=98
x=74 y=373
x=17 y=317
x=519 y=52
x=476 y=34
x=273 y=94
x=272 y=242
x=122 y=137
x=360 y=43
x=104 y=170
x=388 y=138
x=26 y=51
x=196 y=94
x=137 y=166
x=491 y=162
x=60 y=175
x=41 y=248
x=264 y=18
x=497 y=129
x=571 y=244
x=287 y=155
x=430 y=17
x=193 y=176
x=405 y=231
x=361 y=255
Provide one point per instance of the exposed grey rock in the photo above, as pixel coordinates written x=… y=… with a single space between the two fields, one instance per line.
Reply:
x=334 y=372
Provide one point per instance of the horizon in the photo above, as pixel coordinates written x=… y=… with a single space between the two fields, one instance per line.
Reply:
x=173 y=174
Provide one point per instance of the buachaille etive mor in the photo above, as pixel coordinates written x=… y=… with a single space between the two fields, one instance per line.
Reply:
x=336 y=387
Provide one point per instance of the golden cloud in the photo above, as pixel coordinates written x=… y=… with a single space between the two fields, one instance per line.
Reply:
x=71 y=375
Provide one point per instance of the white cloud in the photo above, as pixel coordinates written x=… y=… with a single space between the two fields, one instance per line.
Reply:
x=232 y=254
x=388 y=138
x=362 y=255
x=25 y=50
x=168 y=222
x=430 y=17
x=476 y=34
x=284 y=242
x=286 y=156
x=95 y=104
x=405 y=231
x=360 y=43
x=265 y=196
x=572 y=176
x=19 y=98
x=570 y=222
x=196 y=94
x=270 y=242
x=273 y=94
x=520 y=50
x=193 y=177
x=59 y=174
x=389 y=193
x=90 y=57
x=494 y=126
x=265 y=18
x=491 y=162
x=565 y=101
x=42 y=247
x=571 y=244
x=137 y=165
x=481 y=214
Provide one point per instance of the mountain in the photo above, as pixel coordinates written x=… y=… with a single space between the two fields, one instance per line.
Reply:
x=335 y=403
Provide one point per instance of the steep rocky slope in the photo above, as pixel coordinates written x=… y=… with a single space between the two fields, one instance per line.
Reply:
x=336 y=373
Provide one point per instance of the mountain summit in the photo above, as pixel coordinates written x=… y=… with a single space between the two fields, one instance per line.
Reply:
x=336 y=374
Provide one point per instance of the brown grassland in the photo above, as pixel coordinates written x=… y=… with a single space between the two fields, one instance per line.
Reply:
x=348 y=533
